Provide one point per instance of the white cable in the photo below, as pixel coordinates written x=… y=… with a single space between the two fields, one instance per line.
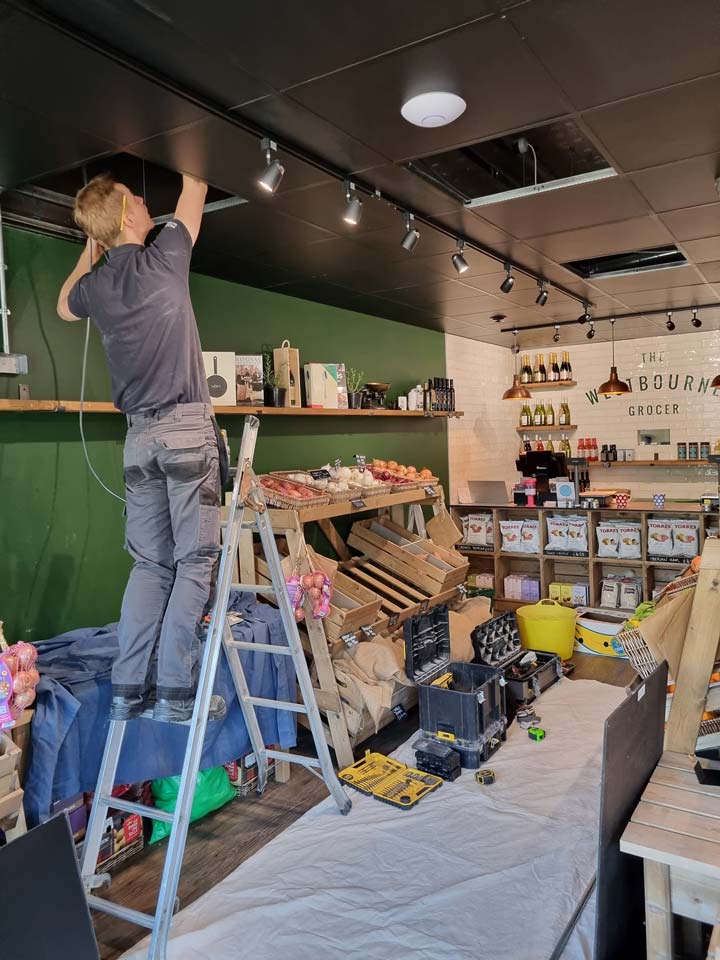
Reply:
x=82 y=432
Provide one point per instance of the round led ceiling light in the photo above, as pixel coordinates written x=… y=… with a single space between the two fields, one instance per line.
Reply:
x=435 y=109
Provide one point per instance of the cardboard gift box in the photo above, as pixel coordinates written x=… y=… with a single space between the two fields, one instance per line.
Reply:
x=249 y=379
x=220 y=373
x=321 y=385
x=286 y=363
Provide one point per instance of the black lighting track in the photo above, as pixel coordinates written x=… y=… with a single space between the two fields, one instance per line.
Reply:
x=697 y=307
x=285 y=146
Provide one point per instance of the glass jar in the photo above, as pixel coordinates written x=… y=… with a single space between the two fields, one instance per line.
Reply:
x=693 y=450
x=704 y=449
x=682 y=451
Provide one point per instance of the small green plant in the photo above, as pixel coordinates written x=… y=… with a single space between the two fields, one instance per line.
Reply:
x=270 y=378
x=354 y=379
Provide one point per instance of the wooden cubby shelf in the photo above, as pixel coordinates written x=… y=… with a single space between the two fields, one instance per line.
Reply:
x=550 y=567
x=95 y=406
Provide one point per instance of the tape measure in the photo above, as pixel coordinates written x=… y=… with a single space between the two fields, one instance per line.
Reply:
x=485 y=777
x=536 y=733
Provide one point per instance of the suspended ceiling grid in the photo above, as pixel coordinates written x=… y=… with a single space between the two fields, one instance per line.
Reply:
x=641 y=80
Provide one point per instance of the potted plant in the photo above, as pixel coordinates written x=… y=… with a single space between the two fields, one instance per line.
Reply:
x=354 y=380
x=273 y=393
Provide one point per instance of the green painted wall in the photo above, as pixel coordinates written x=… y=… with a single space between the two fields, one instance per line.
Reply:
x=61 y=559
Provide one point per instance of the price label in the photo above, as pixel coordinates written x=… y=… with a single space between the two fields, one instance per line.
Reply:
x=368 y=631
x=338 y=463
x=358 y=504
x=392 y=621
x=431 y=491
x=423 y=606
x=400 y=712
x=350 y=639
x=360 y=460
x=320 y=474
x=462 y=590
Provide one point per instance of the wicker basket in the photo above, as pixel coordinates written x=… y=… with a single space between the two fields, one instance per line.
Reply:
x=333 y=497
x=275 y=498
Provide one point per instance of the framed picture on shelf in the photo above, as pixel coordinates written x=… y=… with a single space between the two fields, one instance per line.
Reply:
x=249 y=379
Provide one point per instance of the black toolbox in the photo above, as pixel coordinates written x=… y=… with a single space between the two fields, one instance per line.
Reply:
x=461 y=704
x=527 y=672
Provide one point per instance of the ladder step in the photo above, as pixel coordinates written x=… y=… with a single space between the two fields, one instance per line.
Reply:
x=154 y=813
x=254 y=587
x=117 y=910
x=261 y=647
x=276 y=704
x=293 y=758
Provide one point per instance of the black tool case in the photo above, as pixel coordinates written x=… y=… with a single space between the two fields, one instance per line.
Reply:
x=468 y=714
x=431 y=756
x=525 y=683
x=497 y=641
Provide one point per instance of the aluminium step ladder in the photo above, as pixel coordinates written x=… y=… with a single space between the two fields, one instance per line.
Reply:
x=247 y=511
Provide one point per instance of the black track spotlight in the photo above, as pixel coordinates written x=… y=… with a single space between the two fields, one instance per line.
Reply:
x=274 y=171
x=591 y=332
x=556 y=335
x=458 y=260
x=353 y=205
x=411 y=236
x=542 y=297
x=669 y=323
x=584 y=316
x=696 y=321
x=509 y=281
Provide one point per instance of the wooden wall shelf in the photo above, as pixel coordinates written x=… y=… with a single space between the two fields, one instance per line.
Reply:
x=556 y=385
x=94 y=406
x=572 y=426
x=648 y=463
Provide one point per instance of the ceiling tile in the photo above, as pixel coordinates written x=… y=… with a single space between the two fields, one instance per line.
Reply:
x=410 y=189
x=650 y=280
x=599 y=241
x=701 y=251
x=387 y=242
x=568 y=209
x=710 y=270
x=433 y=296
x=673 y=124
x=694 y=223
x=324 y=206
x=671 y=297
x=365 y=100
x=606 y=51
x=248 y=230
x=490 y=282
x=390 y=276
x=683 y=184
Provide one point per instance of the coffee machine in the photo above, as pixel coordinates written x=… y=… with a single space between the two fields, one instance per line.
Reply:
x=543 y=466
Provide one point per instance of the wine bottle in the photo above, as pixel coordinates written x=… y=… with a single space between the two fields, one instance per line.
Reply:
x=538 y=444
x=537 y=416
x=562 y=415
x=569 y=366
x=524 y=419
x=550 y=446
x=549 y=415
x=527 y=444
x=526 y=371
x=554 y=372
x=536 y=369
x=564 y=366
x=542 y=370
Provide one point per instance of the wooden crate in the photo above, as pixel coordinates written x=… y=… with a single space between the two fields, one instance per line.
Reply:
x=9 y=762
x=418 y=561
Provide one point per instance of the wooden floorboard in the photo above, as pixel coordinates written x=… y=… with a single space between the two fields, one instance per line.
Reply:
x=220 y=842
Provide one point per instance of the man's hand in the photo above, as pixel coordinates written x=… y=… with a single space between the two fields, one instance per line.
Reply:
x=190 y=205
x=88 y=258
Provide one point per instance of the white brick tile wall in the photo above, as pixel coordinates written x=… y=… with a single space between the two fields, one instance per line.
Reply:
x=483 y=446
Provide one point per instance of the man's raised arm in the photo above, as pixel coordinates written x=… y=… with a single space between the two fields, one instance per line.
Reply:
x=190 y=205
x=88 y=258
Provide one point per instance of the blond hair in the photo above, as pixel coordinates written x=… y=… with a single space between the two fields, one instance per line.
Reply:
x=98 y=210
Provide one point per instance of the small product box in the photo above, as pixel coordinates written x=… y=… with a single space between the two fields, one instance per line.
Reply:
x=242 y=773
x=610 y=593
x=580 y=594
x=286 y=364
x=220 y=373
x=555 y=591
x=122 y=837
x=566 y=592
x=342 y=387
x=248 y=379
x=321 y=385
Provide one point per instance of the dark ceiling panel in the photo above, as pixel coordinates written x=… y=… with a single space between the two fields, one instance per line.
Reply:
x=226 y=156
x=365 y=100
x=324 y=205
x=606 y=51
x=684 y=184
x=147 y=32
x=599 y=241
x=436 y=295
x=218 y=263
x=674 y=124
x=464 y=222
x=649 y=280
x=291 y=121
x=387 y=242
x=388 y=276
x=486 y=306
x=408 y=188
x=568 y=209
x=32 y=144
x=695 y=223
x=97 y=95
x=248 y=230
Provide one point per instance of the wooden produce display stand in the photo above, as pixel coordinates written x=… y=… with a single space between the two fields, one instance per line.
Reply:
x=398 y=575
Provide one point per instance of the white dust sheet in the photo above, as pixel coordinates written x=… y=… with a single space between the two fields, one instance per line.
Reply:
x=483 y=873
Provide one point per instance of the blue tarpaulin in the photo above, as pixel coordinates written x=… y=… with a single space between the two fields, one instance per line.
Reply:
x=73 y=702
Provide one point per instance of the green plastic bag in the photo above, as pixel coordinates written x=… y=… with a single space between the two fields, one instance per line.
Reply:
x=213 y=791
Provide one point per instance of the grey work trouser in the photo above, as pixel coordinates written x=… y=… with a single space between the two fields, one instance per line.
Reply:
x=172 y=479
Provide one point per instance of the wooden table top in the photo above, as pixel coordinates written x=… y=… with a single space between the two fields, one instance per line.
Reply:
x=677 y=821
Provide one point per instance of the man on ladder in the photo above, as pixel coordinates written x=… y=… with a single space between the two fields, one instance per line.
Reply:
x=174 y=456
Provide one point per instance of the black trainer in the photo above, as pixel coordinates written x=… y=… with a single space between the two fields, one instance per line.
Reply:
x=127 y=708
x=180 y=711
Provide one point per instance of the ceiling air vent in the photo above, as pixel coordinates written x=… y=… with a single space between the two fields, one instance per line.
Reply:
x=626 y=264
x=545 y=158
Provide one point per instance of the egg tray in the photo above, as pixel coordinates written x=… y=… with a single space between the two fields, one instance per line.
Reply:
x=389 y=780
x=496 y=642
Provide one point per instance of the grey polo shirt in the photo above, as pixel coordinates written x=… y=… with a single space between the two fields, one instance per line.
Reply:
x=140 y=302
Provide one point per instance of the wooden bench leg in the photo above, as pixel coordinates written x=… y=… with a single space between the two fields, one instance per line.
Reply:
x=658 y=911
x=714 y=949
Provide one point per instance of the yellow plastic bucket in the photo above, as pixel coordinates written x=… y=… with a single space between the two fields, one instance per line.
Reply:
x=548 y=626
